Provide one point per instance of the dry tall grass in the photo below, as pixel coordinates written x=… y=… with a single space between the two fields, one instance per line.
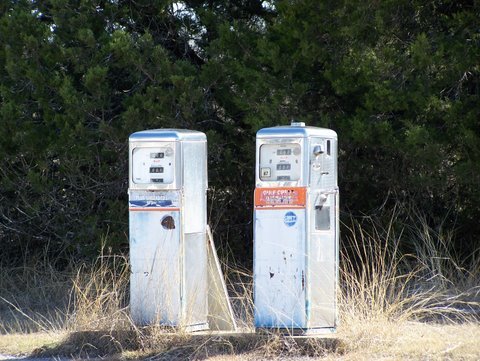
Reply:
x=32 y=296
x=423 y=304
x=381 y=283
x=419 y=305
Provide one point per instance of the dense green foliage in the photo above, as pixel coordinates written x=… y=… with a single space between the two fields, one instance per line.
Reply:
x=398 y=80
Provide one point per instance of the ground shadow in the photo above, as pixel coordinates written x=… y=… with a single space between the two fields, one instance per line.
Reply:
x=177 y=346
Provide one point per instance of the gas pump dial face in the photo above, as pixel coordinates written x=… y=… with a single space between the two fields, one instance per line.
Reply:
x=153 y=165
x=280 y=162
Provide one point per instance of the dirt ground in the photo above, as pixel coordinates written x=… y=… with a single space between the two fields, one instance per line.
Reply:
x=380 y=341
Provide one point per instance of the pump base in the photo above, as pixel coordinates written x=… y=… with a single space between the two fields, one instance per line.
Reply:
x=297 y=331
x=196 y=327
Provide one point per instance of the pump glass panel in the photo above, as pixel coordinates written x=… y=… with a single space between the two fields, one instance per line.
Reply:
x=153 y=165
x=280 y=162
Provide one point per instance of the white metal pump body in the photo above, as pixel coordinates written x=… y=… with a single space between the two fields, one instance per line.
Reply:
x=296 y=235
x=167 y=215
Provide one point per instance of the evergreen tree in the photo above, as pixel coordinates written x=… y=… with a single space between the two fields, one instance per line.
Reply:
x=398 y=80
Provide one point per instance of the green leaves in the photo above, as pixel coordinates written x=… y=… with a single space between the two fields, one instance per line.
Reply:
x=398 y=80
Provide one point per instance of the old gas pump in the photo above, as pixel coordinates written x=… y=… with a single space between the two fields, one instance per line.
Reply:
x=296 y=236
x=167 y=211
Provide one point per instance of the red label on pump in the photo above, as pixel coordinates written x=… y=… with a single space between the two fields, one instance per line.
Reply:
x=284 y=197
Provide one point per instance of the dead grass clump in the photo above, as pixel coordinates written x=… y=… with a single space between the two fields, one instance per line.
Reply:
x=240 y=289
x=251 y=345
x=384 y=289
x=99 y=295
x=275 y=345
x=32 y=296
x=92 y=344
x=381 y=282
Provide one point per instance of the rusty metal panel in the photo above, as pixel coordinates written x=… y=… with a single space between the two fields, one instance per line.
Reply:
x=155 y=266
x=279 y=268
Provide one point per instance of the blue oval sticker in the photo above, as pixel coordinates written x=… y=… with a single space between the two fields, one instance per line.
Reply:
x=290 y=219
